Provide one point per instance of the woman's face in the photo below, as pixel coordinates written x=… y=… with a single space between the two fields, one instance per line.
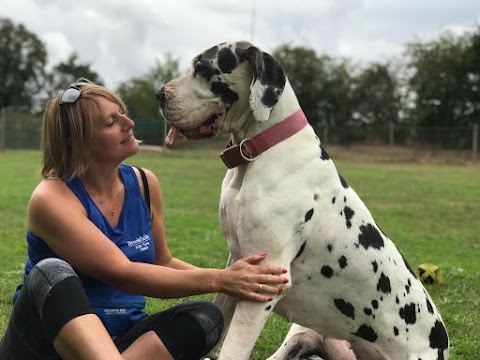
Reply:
x=112 y=138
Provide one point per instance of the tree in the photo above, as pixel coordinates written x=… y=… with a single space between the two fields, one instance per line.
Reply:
x=322 y=85
x=303 y=69
x=22 y=65
x=376 y=96
x=139 y=93
x=446 y=80
x=139 y=96
x=67 y=72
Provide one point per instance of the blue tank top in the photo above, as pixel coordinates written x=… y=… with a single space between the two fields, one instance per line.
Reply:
x=118 y=311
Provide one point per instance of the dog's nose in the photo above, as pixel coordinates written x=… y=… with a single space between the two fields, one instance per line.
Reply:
x=160 y=95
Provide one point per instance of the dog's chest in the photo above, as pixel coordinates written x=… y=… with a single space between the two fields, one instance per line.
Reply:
x=268 y=203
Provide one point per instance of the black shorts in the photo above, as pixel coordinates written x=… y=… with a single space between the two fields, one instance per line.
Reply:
x=189 y=330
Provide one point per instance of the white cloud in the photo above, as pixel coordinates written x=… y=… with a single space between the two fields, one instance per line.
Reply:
x=122 y=39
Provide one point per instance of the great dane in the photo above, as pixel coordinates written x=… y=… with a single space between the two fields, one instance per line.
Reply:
x=351 y=294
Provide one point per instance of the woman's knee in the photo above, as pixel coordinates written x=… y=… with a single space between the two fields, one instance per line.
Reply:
x=57 y=294
x=189 y=330
x=43 y=277
x=52 y=269
x=209 y=319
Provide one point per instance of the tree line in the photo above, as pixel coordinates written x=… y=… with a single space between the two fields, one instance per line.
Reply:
x=433 y=83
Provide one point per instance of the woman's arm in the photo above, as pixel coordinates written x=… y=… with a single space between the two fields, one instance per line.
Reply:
x=236 y=278
x=57 y=216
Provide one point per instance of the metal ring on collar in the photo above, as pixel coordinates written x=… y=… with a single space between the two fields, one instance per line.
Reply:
x=242 y=143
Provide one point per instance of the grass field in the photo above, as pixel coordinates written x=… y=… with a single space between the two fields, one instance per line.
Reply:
x=430 y=211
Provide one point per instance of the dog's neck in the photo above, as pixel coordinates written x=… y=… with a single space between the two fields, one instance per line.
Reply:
x=254 y=137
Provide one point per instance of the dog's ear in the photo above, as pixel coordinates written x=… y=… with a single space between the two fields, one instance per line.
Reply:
x=267 y=84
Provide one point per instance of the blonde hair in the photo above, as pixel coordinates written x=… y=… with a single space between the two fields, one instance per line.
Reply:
x=65 y=153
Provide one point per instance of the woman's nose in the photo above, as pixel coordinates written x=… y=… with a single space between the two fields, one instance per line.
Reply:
x=128 y=123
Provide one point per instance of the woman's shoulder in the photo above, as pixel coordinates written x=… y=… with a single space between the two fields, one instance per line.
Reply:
x=50 y=187
x=51 y=190
x=52 y=200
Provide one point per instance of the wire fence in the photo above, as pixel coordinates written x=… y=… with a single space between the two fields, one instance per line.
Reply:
x=22 y=131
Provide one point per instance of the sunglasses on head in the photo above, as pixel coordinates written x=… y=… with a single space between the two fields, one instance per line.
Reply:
x=70 y=96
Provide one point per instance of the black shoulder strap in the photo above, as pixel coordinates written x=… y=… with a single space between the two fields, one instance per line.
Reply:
x=146 y=190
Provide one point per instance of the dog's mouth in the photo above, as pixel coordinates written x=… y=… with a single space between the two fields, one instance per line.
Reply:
x=205 y=130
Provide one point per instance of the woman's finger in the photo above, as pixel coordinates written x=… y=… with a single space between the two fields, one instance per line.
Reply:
x=255 y=259
x=267 y=269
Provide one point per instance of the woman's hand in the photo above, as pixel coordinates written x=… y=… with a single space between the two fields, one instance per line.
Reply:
x=247 y=279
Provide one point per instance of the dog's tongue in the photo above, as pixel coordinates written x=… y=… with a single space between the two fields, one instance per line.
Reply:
x=171 y=137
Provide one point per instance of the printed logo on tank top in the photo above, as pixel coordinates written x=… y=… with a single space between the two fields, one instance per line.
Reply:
x=108 y=312
x=141 y=243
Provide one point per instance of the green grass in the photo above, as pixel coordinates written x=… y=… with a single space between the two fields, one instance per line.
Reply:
x=430 y=211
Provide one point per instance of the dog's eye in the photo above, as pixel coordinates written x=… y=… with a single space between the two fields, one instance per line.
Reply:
x=201 y=69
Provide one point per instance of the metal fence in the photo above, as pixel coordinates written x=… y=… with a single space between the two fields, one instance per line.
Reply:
x=22 y=131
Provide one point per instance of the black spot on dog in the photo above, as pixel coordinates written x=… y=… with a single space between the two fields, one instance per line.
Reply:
x=204 y=69
x=408 y=313
x=383 y=284
x=397 y=300
x=370 y=237
x=342 y=262
x=438 y=337
x=375 y=266
x=273 y=74
x=367 y=311
x=226 y=94
x=329 y=247
x=301 y=250
x=227 y=61
x=308 y=215
x=327 y=271
x=268 y=307
x=333 y=200
x=348 y=216
x=345 y=308
x=395 y=331
x=367 y=333
x=323 y=154
x=375 y=304
x=429 y=306
x=270 y=97
x=343 y=182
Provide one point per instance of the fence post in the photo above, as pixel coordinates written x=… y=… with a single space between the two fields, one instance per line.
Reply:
x=3 y=120
x=475 y=142
x=391 y=133
x=325 y=133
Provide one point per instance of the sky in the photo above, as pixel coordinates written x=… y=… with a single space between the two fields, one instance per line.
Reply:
x=122 y=39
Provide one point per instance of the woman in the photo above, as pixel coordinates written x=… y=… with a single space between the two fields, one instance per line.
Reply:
x=103 y=219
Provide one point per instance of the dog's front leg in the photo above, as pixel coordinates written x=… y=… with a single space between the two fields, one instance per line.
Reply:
x=248 y=321
x=226 y=304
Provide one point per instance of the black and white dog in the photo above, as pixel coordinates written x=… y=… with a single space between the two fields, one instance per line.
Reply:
x=282 y=196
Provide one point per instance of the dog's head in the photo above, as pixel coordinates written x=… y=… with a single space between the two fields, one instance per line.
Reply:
x=227 y=82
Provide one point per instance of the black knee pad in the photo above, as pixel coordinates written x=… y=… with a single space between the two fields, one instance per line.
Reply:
x=66 y=301
x=57 y=293
x=190 y=330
